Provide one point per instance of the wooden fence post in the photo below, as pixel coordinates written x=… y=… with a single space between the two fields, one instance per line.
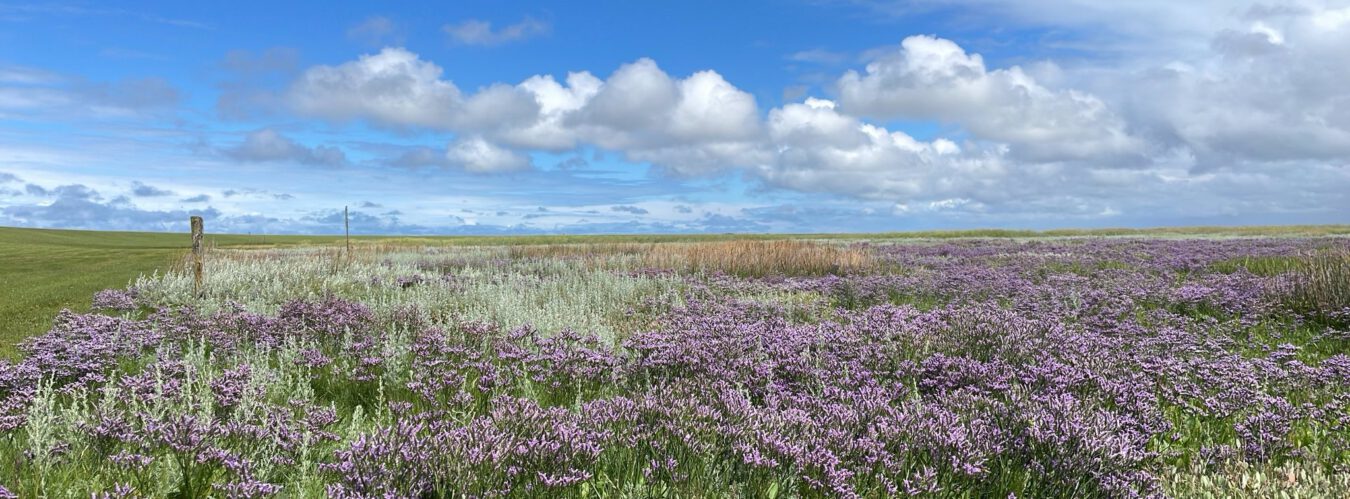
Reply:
x=196 y=256
x=347 y=229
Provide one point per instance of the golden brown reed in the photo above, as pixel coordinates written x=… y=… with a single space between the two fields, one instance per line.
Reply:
x=745 y=257
x=573 y=251
x=760 y=258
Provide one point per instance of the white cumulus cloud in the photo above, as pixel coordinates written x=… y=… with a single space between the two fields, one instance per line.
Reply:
x=1210 y=130
x=393 y=87
x=477 y=155
x=934 y=78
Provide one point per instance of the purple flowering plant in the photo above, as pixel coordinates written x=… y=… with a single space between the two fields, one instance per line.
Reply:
x=1048 y=368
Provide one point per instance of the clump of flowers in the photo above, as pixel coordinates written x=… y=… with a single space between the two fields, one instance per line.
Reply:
x=118 y=300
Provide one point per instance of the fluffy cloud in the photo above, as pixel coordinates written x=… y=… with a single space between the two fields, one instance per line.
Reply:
x=393 y=87
x=636 y=98
x=1246 y=100
x=701 y=108
x=397 y=89
x=819 y=149
x=477 y=155
x=933 y=78
x=1228 y=85
x=694 y=125
x=269 y=145
x=1265 y=90
x=556 y=103
x=496 y=107
x=478 y=32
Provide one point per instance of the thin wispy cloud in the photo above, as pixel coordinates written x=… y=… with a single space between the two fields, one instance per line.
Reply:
x=125 y=53
x=40 y=94
x=818 y=56
x=31 y=11
x=480 y=32
x=376 y=31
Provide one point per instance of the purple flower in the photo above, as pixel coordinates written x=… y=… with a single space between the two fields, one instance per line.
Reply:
x=121 y=300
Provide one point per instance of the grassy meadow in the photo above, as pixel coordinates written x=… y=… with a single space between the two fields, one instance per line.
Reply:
x=1204 y=362
x=44 y=270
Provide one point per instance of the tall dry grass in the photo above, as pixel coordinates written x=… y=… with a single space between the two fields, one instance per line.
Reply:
x=761 y=258
x=1322 y=284
x=578 y=251
x=755 y=258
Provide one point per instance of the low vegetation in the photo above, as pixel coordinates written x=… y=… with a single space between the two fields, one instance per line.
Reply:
x=746 y=258
x=1094 y=367
x=45 y=271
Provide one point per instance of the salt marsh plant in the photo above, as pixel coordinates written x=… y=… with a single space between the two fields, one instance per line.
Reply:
x=968 y=368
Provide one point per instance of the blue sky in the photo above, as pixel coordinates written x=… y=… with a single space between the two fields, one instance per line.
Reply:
x=491 y=117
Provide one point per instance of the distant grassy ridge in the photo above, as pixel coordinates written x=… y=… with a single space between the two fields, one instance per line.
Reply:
x=145 y=240
x=1242 y=231
x=45 y=270
x=177 y=240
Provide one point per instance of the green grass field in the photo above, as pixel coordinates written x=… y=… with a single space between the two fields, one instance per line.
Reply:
x=1193 y=339
x=43 y=271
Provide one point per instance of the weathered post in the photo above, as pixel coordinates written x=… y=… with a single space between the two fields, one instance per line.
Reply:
x=347 y=229
x=196 y=255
